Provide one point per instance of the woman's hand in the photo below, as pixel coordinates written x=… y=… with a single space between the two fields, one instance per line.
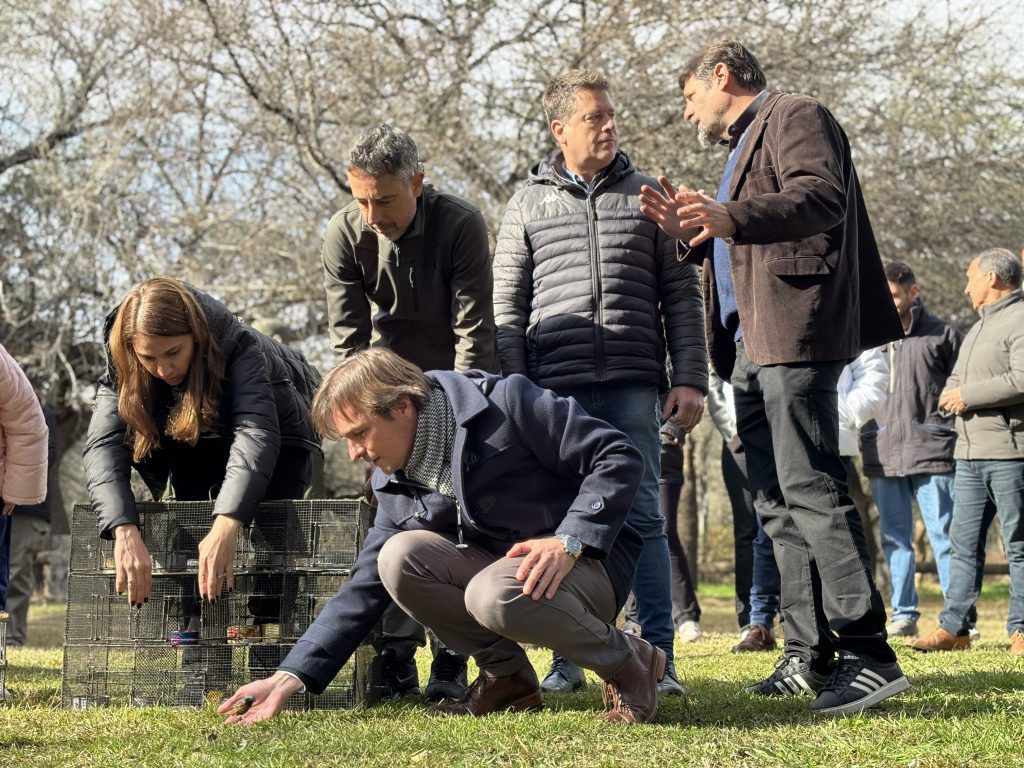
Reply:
x=8 y=509
x=217 y=556
x=134 y=565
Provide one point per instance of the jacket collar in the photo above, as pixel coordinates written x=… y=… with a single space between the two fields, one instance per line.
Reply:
x=754 y=131
x=467 y=393
x=1000 y=304
x=916 y=313
x=740 y=125
x=547 y=170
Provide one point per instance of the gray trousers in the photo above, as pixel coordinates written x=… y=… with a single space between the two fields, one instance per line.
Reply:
x=787 y=417
x=471 y=600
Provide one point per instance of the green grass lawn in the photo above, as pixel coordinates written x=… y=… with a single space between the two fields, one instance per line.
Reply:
x=965 y=709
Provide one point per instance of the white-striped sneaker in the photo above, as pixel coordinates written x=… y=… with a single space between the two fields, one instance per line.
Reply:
x=792 y=677
x=859 y=682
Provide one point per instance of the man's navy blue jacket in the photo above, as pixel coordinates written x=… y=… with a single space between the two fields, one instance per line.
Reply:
x=532 y=465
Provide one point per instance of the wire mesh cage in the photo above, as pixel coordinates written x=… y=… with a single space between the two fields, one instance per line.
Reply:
x=154 y=674
x=178 y=650
x=275 y=606
x=289 y=534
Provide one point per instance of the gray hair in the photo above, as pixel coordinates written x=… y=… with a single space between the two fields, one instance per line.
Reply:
x=560 y=96
x=740 y=62
x=1005 y=264
x=386 y=151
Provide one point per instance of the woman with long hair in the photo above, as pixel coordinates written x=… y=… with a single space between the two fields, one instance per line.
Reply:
x=203 y=406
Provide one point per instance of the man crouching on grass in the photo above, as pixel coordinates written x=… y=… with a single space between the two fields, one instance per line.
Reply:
x=500 y=521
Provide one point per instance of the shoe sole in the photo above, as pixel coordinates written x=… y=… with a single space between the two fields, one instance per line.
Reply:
x=682 y=690
x=530 y=703
x=966 y=647
x=898 y=685
x=761 y=649
x=434 y=696
x=561 y=691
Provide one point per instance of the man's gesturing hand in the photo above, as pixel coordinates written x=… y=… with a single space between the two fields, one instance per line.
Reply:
x=686 y=214
x=270 y=694
x=544 y=566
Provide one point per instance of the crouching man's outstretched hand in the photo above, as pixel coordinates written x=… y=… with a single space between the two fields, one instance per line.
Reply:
x=269 y=696
x=545 y=564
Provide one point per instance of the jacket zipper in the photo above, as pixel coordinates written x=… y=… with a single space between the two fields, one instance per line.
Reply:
x=967 y=361
x=595 y=270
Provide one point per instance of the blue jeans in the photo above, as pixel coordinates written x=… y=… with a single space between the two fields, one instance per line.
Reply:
x=757 y=597
x=633 y=409
x=894 y=495
x=766 y=586
x=984 y=489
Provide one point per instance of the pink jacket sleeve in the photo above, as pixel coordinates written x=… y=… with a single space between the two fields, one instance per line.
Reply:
x=23 y=436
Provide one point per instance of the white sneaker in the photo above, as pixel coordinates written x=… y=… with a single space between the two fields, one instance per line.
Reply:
x=5 y=695
x=690 y=632
x=901 y=628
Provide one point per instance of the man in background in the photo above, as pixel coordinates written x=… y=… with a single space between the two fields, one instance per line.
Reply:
x=789 y=260
x=985 y=392
x=590 y=300
x=908 y=447
x=408 y=267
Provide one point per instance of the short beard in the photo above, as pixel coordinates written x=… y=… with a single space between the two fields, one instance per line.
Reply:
x=710 y=134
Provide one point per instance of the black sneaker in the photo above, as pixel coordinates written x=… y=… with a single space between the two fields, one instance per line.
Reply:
x=859 y=682
x=564 y=677
x=792 y=677
x=393 y=673
x=669 y=685
x=447 y=676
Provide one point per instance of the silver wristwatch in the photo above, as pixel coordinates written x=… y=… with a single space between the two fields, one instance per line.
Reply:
x=573 y=546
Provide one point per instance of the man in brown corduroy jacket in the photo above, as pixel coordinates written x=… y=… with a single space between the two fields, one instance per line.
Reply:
x=789 y=261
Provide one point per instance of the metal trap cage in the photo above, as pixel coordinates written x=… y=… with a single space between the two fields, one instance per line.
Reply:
x=178 y=650
x=285 y=534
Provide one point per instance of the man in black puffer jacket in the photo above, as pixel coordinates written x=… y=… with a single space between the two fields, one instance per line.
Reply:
x=590 y=301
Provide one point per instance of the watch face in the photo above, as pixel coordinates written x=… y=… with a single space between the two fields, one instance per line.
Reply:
x=572 y=545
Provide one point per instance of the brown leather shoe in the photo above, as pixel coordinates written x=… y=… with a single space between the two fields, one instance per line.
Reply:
x=632 y=695
x=941 y=640
x=1017 y=643
x=756 y=637
x=517 y=692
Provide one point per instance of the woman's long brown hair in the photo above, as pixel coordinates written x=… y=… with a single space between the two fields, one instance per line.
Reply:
x=162 y=306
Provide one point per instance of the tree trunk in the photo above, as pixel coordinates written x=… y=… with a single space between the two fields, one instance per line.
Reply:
x=689 y=524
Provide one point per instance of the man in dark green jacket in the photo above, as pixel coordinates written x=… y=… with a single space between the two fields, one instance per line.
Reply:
x=408 y=268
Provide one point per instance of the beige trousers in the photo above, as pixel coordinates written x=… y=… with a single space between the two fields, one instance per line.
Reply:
x=472 y=601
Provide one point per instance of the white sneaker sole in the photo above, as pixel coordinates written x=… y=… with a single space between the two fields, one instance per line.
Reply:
x=898 y=685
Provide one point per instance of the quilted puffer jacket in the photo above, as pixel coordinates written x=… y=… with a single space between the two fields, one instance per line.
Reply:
x=22 y=437
x=587 y=289
x=265 y=403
